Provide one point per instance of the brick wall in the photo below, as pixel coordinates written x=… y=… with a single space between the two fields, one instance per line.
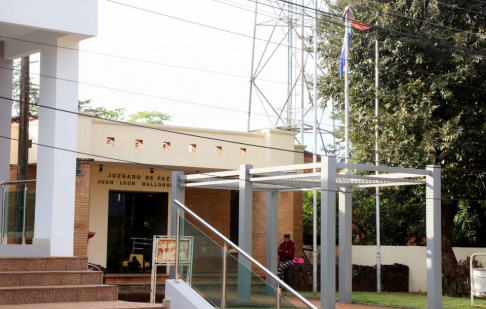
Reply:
x=81 y=212
x=290 y=221
x=213 y=206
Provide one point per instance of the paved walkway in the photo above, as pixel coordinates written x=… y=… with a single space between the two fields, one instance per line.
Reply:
x=86 y=305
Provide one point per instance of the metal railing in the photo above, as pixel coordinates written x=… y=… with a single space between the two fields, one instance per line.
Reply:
x=227 y=242
x=5 y=185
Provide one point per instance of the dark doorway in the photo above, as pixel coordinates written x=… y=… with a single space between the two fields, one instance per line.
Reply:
x=133 y=220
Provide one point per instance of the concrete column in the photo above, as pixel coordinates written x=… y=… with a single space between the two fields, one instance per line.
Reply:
x=6 y=76
x=245 y=233
x=56 y=168
x=177 y=194
x=433 y=233
x=272 y=238
x=328 y=233
x=345 y=245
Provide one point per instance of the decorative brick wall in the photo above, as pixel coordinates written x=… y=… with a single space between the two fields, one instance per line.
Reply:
x=213 y=206
x=81 y=212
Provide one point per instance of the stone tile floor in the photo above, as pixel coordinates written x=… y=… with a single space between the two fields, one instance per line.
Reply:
x=86 y=305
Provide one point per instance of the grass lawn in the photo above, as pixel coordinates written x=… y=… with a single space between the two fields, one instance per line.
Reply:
x=409 y=300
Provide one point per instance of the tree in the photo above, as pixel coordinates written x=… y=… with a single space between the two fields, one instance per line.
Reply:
x=431 y=101
x=101 y=112
x=152 y=117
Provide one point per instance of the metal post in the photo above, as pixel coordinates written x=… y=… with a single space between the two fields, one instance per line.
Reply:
x=314 y=160
x=178 y=227
x=223 y=283
x=24 y=214
x=346 y=93
x=252 y=63
x=302 y=77
x=2 y=225
x=378 y=225
x=278 y=303
x=153 y=279
x=433 y=233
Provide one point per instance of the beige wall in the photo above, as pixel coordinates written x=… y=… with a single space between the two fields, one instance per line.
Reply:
x=411 y=256
x=98 y=210
x=33 y=134
x=93 y=133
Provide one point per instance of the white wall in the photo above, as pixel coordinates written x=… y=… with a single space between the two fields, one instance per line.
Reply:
x=66 y=16
x=411 y=256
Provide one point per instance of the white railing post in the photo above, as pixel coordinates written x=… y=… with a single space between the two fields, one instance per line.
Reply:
x=223 y=283
x=178 y=229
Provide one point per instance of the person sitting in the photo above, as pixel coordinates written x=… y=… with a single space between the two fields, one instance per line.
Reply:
x=286 y=252
x=134 y=264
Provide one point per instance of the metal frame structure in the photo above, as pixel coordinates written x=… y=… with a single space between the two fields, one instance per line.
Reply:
x=278 y=283
x=329 y=178
x=5 y=185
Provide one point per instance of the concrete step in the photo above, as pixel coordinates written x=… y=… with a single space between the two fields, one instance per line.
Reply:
x=43 y=278
x=88 y=305
x=137 y=287
x=140 y=296
x=43 y=264
x=57 y=294
x=134 y=278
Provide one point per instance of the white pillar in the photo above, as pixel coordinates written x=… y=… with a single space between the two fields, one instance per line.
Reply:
x=245 y=233
x=177 y=194
x=6 y=76
x=328 y=233
x=433 y=232
x=56 y=168
x=272 y=237
x=345 y=245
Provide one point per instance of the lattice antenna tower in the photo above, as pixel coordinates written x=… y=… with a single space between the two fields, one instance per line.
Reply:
x=284 y=27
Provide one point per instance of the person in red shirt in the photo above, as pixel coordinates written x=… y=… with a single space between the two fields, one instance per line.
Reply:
x=286 y=252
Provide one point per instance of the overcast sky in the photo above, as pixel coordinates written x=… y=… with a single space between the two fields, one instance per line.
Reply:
x=132 y=33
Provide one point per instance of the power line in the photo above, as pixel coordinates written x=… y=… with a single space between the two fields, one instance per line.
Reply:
x=460 y=8
x=137 y=59
x=164 y=167
x=413 y=36
x=194 y=23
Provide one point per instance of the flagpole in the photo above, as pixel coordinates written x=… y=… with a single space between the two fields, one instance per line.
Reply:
x=378 y=238
x=346 y=91
x=314 y=160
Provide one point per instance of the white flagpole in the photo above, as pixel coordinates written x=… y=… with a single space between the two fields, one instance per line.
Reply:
x=378 y=239
x=314 y=159
x=346 y=89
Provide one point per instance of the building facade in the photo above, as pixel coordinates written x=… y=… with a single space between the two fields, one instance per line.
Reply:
x=123 y=186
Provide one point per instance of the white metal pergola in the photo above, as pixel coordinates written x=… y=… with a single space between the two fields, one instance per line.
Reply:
x=330 y=178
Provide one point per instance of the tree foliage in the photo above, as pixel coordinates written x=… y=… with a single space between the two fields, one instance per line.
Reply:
x=101 y=112
x=432 y=108
x=152 y=117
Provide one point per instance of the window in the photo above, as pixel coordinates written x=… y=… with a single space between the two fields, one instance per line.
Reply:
x=110 y=141
x=243 y=152
x=166 y=146
x=218 y=150
x=138 y=143
x=192 y=147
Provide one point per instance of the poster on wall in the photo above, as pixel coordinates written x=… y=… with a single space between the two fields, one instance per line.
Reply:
x=164 y=253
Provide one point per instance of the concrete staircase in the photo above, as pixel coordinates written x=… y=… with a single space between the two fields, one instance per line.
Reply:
x=55 y=281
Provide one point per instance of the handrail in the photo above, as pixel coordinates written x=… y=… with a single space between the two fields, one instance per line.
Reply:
x=246 y=255
x=19 y=182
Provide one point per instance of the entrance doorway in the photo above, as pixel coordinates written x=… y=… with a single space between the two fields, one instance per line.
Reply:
x=133 y=220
